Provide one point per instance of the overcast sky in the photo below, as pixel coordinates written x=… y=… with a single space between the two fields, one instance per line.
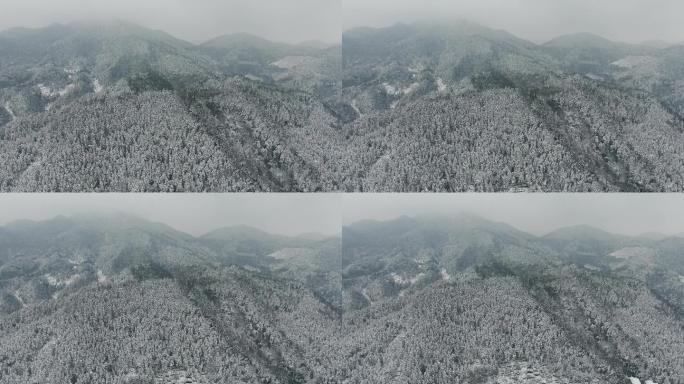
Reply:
x=536 y=20
x=629 y=214
x=197 y=214
x=294 y=214
x=193 y=20
x=300 y=20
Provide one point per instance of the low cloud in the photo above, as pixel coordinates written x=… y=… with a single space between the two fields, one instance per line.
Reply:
x=630 y=214
x=536 y=20
x=197 y=214
x=194 y=20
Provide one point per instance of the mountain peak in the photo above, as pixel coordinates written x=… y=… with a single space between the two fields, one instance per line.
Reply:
x=236 y=37
x=91 y=29
x=243 y=39
x=23 y=224
x=438 y=26
x=236 y=230
x=583 y=38
x=582 y=230
x=313 y=236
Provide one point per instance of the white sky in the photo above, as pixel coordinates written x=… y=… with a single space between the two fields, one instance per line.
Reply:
x=300 y=20
x=293 y=214
x=196 y=214
x=193 y=20
x=630 y=214
x=535 y=20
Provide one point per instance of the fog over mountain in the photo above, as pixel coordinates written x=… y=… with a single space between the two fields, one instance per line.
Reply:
x=237 y=113
x=284 y=214
x=431 y=298
x=418 y=299
x=455 y=106
x=632 y=21
x=627 y=214
x=429 y=106
x=193 y=20
x=117 y=298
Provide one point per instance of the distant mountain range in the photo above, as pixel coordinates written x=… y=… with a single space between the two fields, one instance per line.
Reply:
x=412 y=107
x=462 y=297
x=426 y=249
x=88 y=248
x=117 y=107
x=415 y=299
x=457 y=107
x=100 y=298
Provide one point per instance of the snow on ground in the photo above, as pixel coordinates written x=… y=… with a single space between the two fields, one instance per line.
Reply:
x=101 y=277
x=681 y=278
x=390 y=89
x=398 y=91
x=72 y=70
x=178 y=376
x=641 y=254
x=441 y=86
x=524 y=372
x=131 y=375
x=251 y=269
x=445 y=275
x=417 y=69
x=66 y=90
x=398 y=279
x=19 y=299
x=595 y=77
x=291 y=62
x=411 y=88
x=356 y=108
x=402 y=280
x=363 y=292
x=635 y=61
x=57 y=282
x=77 y=261
x=253 y=77
x=417 y=278
x=634 y=380
x=9 y=110
x=291 y=253
x=641 y=65
x=97 y=87
x=45 y=91
x=52 y=280
x=422 y=260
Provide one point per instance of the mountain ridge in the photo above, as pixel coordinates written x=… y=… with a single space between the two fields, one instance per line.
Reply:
x=431 y=293
x=407 y=295
x=408 y=108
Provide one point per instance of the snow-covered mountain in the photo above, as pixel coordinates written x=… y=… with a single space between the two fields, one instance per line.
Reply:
x=118 y=298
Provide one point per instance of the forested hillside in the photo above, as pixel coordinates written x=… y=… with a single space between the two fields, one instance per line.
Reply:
x=95 y=299
x=116 y=107
x=460 y=107
x=429 y=299
x=420 y=107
